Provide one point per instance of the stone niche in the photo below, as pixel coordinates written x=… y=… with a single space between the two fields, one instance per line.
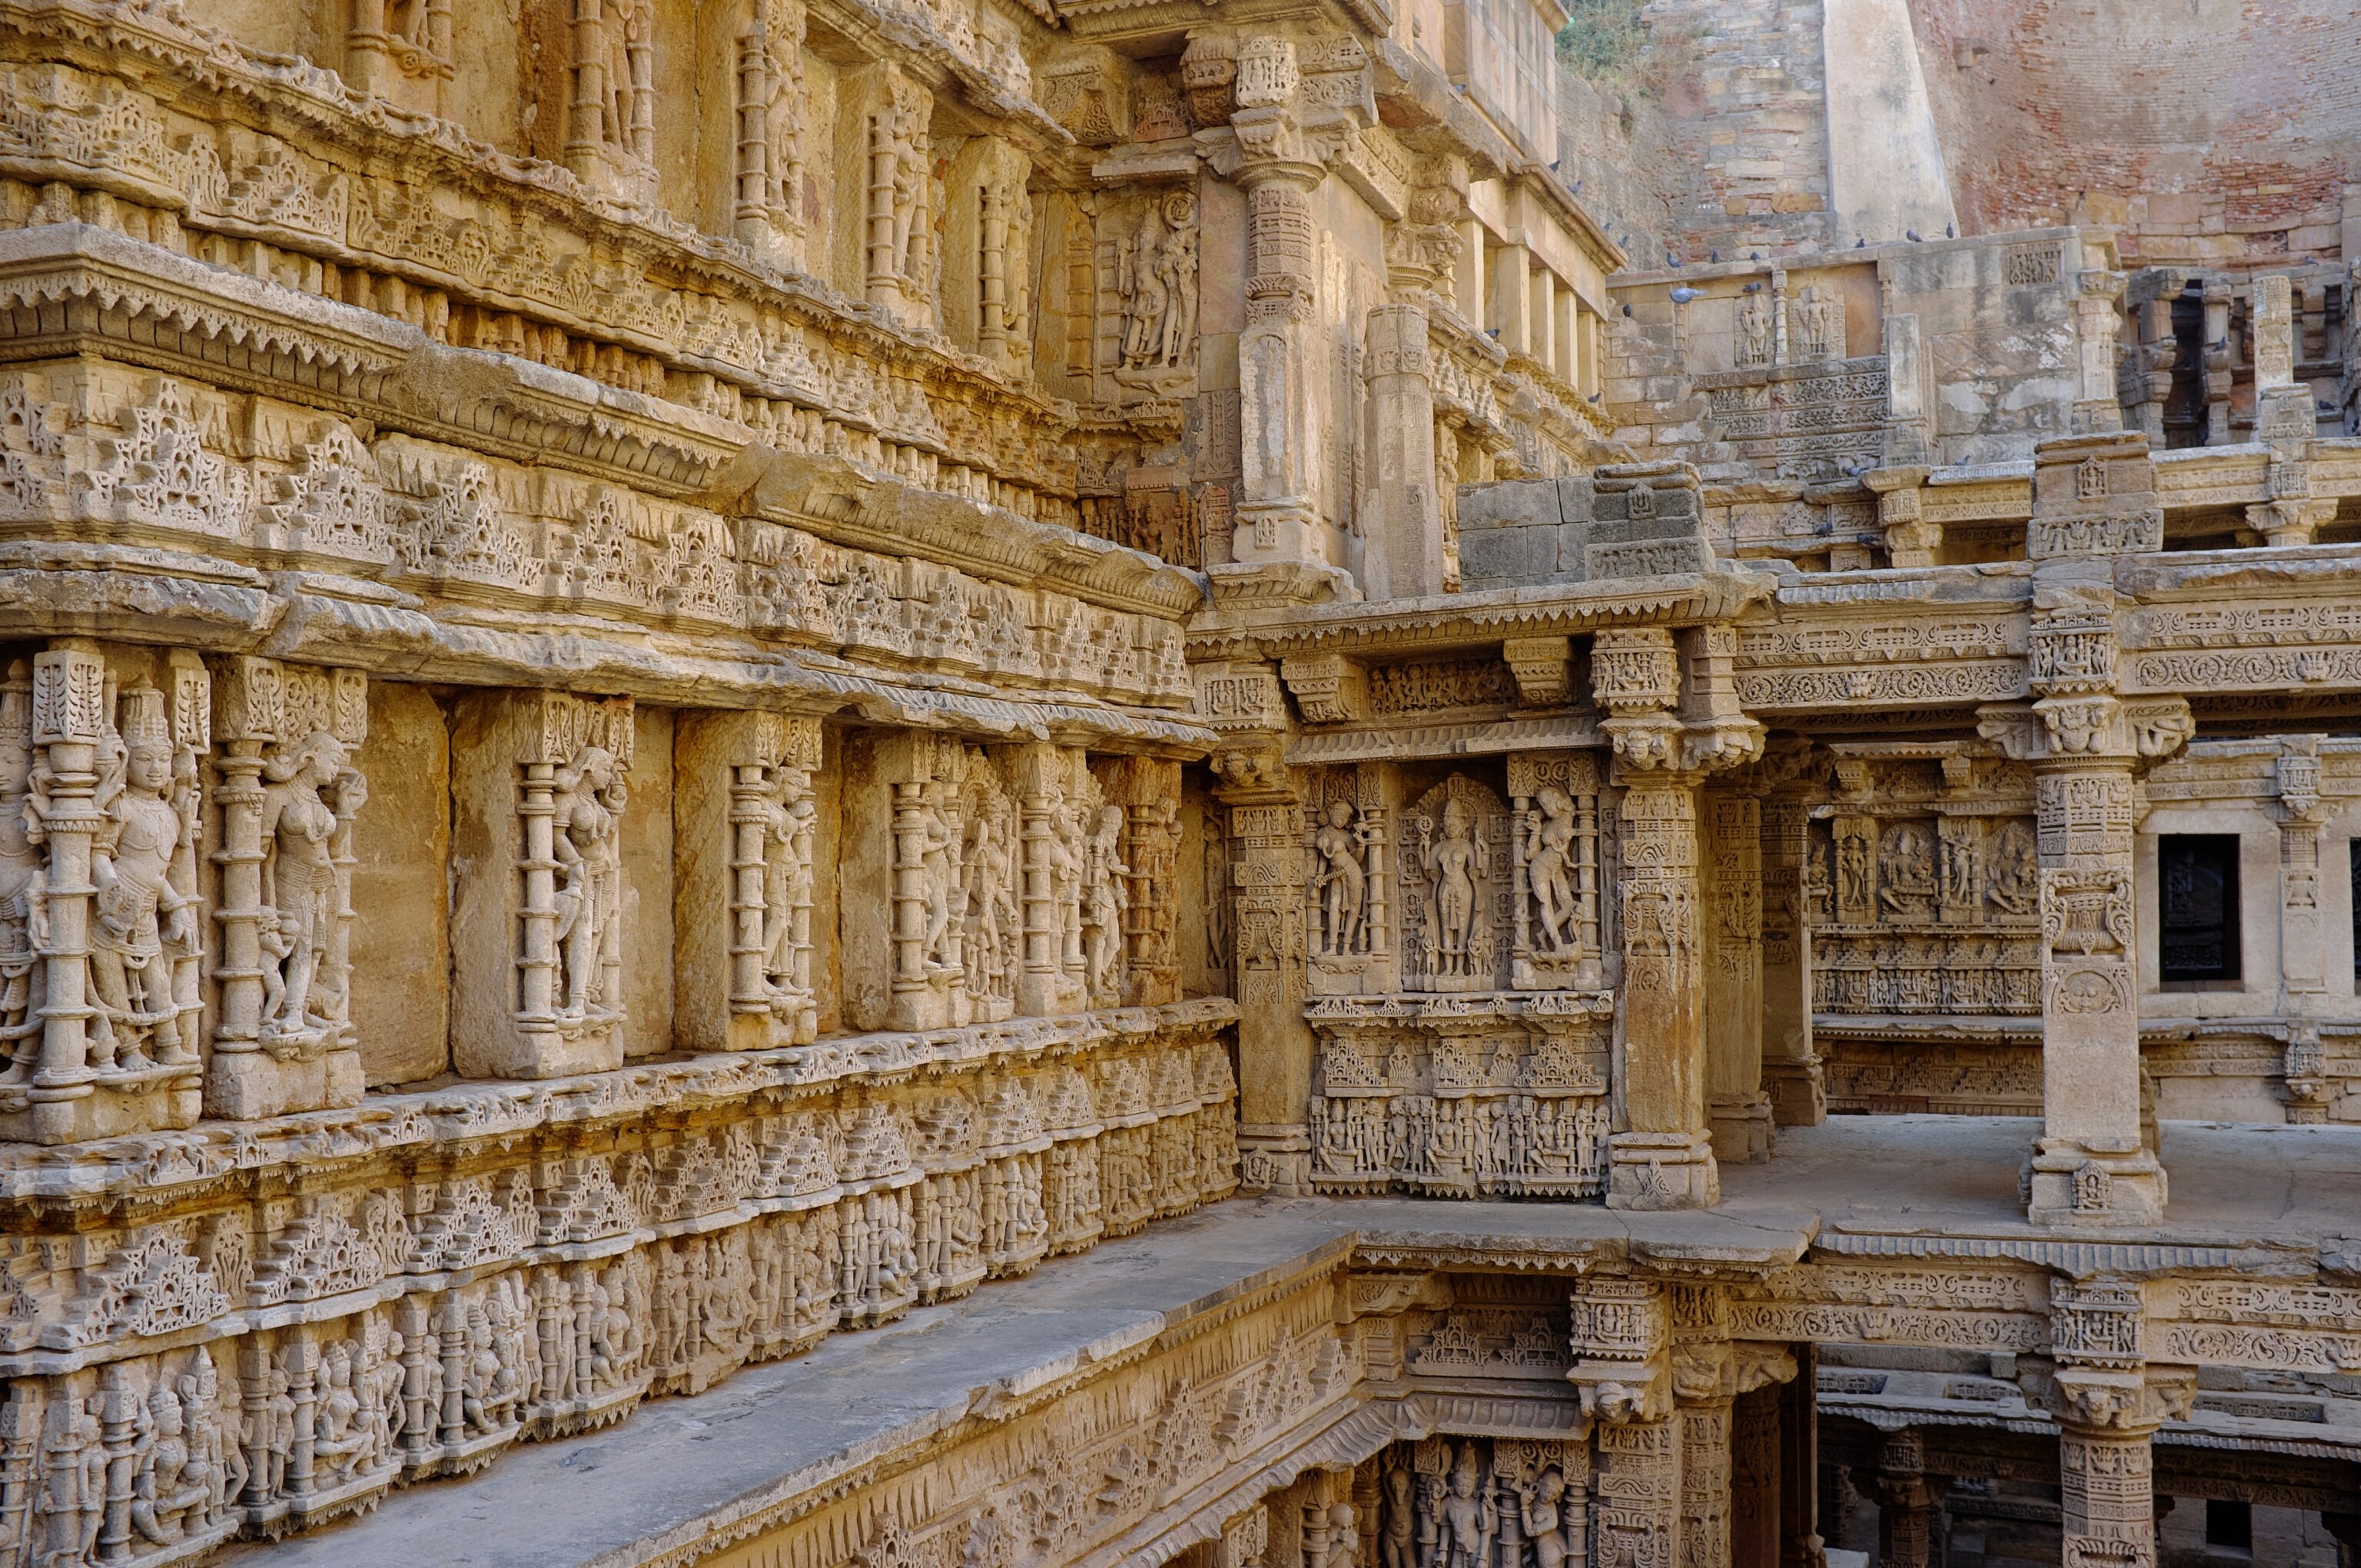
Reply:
x=1458 y=977
x=541 y=783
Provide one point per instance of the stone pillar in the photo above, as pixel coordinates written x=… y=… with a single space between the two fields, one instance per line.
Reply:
x=1403 y=556
x=1737 y=1110
x=1508 y=303
x=2098 y=320
x=1791 y=1066
x=1663 y=1156
x=2093 y=498
x=1800 y=1479
x=1755 y=1476
x=2108 y=1402
x=1278 y=355
x=744 y=831
x=1905 y=1504
x=1275 y=1045
x=2303 y=962
x=1911 y=539
x=1622 y=1372
x=2283 y=404
x=1704 y=1387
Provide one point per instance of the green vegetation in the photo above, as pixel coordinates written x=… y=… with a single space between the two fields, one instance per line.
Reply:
x=1602 y=37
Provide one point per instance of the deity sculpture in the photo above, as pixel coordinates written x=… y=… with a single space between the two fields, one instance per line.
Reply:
x=1853 y=871
x=144 y=926
x=1540 y=1501
x=939 y=874
x=1398 y=1546
x=1548 y=866
x=993 y=920
x=304 y=832
x=2015 y=876
x=789 y=821
x=1341 y=881
x=1105 y=898
x=1467 y=1519
x=1454 y=862
x=24 y=888
x=1907 y=872
x=590 y=796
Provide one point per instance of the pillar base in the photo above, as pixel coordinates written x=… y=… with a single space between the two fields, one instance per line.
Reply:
x=1662 y=1170
x=248 y=1085
x=1743 y=1131
x=2070 y=1184
x=1797 y=1093
x=1275 y=1159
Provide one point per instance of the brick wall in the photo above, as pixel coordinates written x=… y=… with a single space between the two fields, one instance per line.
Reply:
x=2214 y=132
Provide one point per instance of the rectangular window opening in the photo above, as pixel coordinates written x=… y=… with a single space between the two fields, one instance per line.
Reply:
x=2197 y=941
x=2230 y=1525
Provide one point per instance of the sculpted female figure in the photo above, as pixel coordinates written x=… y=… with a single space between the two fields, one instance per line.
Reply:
x=1107 y=897
x=1344 y=886
x=590 y=800
x=299 y=873
x=142 y=923
x=788 y=818
x=1455 y=861
x=1549 y=860
x=1539 y=1499
x=992 y=917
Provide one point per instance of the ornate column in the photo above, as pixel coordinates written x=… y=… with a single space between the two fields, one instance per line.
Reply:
x=2109 y=1402
x=2093 y=497
x=2098 y=321
x=1756 y=1474
x=1622 y=1372
x=1737 y=1109
x=1704 y=1388
x=1905 y=1504
x=1267 y=882
x=1791 y=1066
x=1662 y=1157
x=2303 y=965
x=2283 y=404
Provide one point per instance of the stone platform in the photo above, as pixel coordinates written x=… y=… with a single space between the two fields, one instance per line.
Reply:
x=770 y=1455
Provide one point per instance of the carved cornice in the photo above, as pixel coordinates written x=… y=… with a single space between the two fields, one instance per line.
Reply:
x=1468 y=620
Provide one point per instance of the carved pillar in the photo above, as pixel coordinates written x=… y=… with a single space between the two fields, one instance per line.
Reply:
x=1278 y=355
x=2283 y=404
x=1663 y=1157
x=1706 y=1390
x=538 y=787
x=2098 y=320
x=1621 y=1332
x=1148 y=791
x=1799 y=1482
x=1268 y=870
x=1755 y=1475
x=2109 y=1402
x=1740 y=1113
x=2304 y=964
x=1911 y=538
x=1404 y=554
x=1791 y=1065
x=288 y=793
x=2093 y=497
x=1905 y=1504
